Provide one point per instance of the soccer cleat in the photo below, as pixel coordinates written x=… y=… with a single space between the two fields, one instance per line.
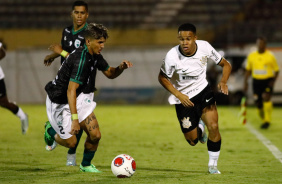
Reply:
x=71 y=160
x=48 y=139
x=214 y=170
x=203 y=139
x=90 y=168
x=52 y=147
x=24 y=124
x=265 y=125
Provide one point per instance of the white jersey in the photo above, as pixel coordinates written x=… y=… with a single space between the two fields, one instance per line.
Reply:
x=188 y=73
x=1 y=71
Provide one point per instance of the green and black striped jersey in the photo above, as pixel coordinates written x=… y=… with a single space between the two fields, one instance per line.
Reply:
x=80 y=67
x=71 y=39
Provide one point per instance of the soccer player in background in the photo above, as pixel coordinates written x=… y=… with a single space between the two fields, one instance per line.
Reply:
x=70 y=95
x=5 y=103
x=183 y=74
x=72 y=38
x=263 y=67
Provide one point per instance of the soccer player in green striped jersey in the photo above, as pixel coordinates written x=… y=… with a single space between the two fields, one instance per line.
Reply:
x=70 y=96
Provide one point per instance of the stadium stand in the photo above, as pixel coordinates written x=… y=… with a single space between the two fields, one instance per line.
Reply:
x=229 y=21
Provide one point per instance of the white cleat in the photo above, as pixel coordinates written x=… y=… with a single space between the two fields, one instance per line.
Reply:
x=51 y=148
x=71 y=160
x=203 y=139
x=24 y=125
x=214 y=170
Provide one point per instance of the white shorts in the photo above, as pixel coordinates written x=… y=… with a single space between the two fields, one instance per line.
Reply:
x=60 y=117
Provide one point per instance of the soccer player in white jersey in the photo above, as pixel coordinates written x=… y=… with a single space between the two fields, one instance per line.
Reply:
x=4 y=101
x=183 y=74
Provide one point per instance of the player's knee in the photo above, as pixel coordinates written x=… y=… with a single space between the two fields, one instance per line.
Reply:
x=213 y=127
x=71 y=143
x=95 y=138
x=193 y=142
x=3 y=103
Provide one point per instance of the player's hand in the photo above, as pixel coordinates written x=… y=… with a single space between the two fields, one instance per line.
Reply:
x=48 y=60
x=56 y=48
x=223 y=88
x=125 y=64
x=184 y=99
x=75 y=127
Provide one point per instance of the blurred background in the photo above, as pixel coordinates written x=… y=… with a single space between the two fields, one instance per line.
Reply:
x=141 y=31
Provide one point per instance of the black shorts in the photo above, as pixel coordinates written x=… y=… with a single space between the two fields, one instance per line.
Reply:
x=189 y=117
x=2 y=88
x=262 y=86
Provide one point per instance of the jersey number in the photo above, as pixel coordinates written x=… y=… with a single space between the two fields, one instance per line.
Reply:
x=61 y=130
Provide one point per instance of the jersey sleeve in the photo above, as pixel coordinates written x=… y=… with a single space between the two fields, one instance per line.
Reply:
x=274 y=64
x=102 y=64
x=249 y=63
x=168 y=67
x=213 y=54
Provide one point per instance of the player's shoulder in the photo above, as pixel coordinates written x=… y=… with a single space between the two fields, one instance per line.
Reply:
x=203 y=44
x=173 y=51
x=253 y=54
x=68 y=29
x=269 y=52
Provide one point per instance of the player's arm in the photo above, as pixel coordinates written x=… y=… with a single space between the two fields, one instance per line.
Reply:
x=165 y=82
x=2 y=51
x=57 y=51
x=276 y=73
x=248 y=73
x=71 y=94
x=112 y=72
x=226 y=70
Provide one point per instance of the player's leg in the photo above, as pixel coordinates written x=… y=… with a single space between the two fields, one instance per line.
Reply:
x=258 y=89
x=58 y=128
x=4 y=102
x=210 y=117
x=71 y=155
x=267 y=108
x=59 y=134
x=259 y=105
x=192 y=137
x=91 y=127
x=188 y=120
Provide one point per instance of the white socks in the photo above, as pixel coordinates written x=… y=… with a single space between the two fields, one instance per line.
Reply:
x=213 y=157
x=21 y=114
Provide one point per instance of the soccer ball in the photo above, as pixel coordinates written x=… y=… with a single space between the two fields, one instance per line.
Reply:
x=123 y=166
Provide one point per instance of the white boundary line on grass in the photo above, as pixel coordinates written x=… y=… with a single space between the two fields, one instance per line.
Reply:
x=271 y=147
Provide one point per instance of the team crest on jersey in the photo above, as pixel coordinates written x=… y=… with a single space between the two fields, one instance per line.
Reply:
x=59 y=123
x=186 y=123
x=77 y=43
x=204 y=60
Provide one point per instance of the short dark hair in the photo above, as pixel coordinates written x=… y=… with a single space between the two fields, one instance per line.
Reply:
x=80 y=3
x=187 y=27
x=263 y=38
x=96 y=31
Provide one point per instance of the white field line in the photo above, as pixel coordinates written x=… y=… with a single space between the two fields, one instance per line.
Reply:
x=271 y=147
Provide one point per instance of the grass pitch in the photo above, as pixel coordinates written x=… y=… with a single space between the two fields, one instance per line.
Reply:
x=152 y=136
